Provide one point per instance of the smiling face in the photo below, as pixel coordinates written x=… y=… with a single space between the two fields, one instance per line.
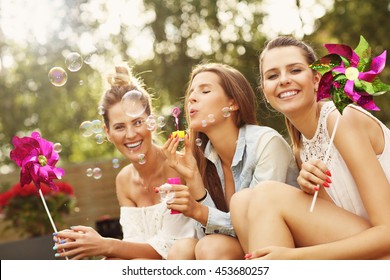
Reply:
x=288 y=82
x=129 y=134
x=206 y=100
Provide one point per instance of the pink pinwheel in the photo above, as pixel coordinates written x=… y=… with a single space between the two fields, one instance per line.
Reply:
x=37 y=159
x=350 y=76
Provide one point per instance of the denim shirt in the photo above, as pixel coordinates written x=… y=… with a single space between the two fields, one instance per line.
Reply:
x=261 y=154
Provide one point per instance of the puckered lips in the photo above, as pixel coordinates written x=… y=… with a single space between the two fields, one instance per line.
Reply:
x=192 y=112
x=287 y=94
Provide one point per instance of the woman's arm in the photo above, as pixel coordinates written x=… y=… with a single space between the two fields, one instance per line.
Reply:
x=356 y=146
x=88 y=243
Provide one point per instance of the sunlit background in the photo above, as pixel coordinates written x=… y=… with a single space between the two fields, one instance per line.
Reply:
x=161 y=40
x=157 y=38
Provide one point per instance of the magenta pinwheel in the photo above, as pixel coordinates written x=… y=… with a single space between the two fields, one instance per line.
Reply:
x=350 y=76
x=37 y=159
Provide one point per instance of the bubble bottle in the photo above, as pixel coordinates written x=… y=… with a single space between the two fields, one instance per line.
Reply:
x=166 y=193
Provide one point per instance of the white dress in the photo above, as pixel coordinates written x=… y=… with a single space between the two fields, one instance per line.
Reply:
x=343 y=190
x=156 y=226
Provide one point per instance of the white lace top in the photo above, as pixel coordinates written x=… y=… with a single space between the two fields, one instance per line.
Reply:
x=156 y=226
x=343 y=190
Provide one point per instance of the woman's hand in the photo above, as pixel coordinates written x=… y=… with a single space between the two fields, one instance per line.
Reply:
x=80 y=242
x=185 y=203
x=183 y=162
x=312 y=175
x=272 y=253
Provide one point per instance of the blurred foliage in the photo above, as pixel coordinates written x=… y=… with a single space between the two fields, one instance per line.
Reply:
x=183 y=34
x=22 y=208
x=346 y=22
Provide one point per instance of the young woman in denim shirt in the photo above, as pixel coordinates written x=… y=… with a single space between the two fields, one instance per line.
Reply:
x=229 y=152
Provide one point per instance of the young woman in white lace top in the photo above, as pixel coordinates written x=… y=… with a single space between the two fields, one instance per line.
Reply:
x=149 y=230
x=351 y=218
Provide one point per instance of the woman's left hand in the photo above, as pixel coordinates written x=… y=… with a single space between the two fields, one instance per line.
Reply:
x=272 y=253
x=81 y=242
x=183 y=201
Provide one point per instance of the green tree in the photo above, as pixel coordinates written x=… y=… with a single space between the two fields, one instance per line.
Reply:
x=346 y=22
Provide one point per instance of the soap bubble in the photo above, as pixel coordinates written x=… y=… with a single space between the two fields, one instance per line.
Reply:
x=166 y=193
x=204 y=123
x=150 y=122
x=86 y=128
x=101 y=110
x=58 y=76
x=99 y=138
x=97 y=126
x=133 y=103
x=211 y=118
x=161 y=121
x=89 y=172
x=141 y=159
x=91 y=58
x=115 y=163
x=57 y=147
x=97 y=173
x=198 y=142
x=226 y=112
x=74 y=61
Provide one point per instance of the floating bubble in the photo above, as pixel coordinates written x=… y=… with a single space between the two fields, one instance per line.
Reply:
x=97 y=126
x=211 y=118
x=74 y=61
x=57 y=147
x=99 y=138
x=150 y=122
x=115 y=163
x=81 y=82
x=90 y=58
x=58 y=76
x=198 y=142
x=133 y=103
x=166 y=193
x=86 y=128
x=101 y=110
x=226 y=112
x=204 y=123
x=89 y=172
x=161 y=121
x=97 y=173
x=141 y=159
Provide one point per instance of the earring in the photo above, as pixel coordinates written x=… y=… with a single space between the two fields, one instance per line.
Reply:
x=233 y=107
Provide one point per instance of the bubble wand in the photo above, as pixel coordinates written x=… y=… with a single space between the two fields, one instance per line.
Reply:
x=180 y=133
x=37 y=158
x=349 y=76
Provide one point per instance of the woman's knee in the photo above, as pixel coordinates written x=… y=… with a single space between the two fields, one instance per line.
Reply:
x=218 y=247
x=240 y=198
x=183 y=249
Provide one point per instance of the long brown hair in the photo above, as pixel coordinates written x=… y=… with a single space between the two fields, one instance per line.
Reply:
x=309 y=54
x=237 y=87
x=123 y=81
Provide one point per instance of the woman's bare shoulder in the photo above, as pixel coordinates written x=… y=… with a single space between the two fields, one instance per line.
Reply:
x=124 y=182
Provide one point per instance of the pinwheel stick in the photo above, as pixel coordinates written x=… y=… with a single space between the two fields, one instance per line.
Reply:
x=48 y=213
x=327 y=154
